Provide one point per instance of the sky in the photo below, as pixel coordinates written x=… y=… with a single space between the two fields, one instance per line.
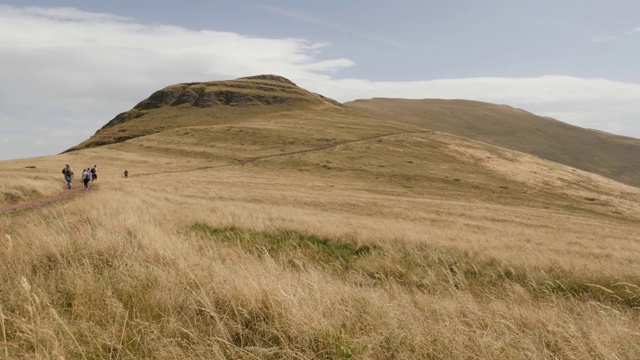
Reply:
x=68 y=67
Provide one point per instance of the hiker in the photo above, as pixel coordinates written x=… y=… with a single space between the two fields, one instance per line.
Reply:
x=94 y=173
x=68 y=173
x=126 y=173
x=86 y=177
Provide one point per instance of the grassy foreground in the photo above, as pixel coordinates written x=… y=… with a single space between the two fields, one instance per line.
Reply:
x=377 y=249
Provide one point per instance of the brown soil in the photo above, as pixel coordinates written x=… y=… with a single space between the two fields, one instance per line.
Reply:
x=34 y=204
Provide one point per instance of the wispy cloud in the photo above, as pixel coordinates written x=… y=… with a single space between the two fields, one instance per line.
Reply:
x=311 y=19
x=300 y=15
x=612 y=38
x=603 y=39
x=60 y=13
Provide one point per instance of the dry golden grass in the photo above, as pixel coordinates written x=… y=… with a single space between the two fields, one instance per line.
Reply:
x=208 y=104
x=211 y=266
x=393 y=243
x=29 y=179
x=594 y=151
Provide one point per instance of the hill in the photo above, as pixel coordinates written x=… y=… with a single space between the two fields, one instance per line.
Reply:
x=594 y=151
x=312 y=231
x=206 y=103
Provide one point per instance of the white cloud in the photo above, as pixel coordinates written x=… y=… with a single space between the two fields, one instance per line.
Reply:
x=66 y=69
x=65 y=73
x=59 y=13
x=592 y=103
x=603 y=39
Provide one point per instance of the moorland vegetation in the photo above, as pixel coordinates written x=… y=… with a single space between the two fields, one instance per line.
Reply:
x=590 y=150
x=305 y=230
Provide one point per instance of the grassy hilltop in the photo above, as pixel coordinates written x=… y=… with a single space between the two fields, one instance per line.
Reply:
x=275 y=228
x=590 y=150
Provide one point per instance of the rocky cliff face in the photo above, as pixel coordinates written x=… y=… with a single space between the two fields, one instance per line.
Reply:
x=256 y=90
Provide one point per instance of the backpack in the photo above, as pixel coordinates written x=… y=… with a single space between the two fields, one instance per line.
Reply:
x=93 y=170
x=64 y=171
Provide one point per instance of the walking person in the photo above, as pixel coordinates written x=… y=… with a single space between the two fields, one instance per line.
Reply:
x=86 y=177
x=94 y=173
x=68 y=173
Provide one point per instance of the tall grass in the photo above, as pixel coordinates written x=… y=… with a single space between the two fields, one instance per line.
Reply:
x=16 y=189
x=364 y=258
x=138 y=273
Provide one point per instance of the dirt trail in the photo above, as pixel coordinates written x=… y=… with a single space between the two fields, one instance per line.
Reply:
x=38 y=203
x=66 y=193
x=250 y=160
x=316 y=149
x=328 y=146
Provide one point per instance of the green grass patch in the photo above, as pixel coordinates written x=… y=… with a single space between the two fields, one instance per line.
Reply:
x=428 y=269
x=282 y=243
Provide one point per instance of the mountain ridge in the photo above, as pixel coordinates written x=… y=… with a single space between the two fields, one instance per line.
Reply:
x=595 y=151
x=235 y=101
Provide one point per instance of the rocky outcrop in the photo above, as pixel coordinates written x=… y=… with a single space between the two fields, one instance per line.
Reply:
x=254 y=90
x=269 y=93
x=202 y=97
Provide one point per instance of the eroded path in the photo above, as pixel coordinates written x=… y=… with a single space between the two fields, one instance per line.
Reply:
x=66 y=193
x=38 y=203
x=329 y=146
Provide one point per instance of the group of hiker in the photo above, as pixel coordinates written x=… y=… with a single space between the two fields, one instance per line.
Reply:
x=88 y=175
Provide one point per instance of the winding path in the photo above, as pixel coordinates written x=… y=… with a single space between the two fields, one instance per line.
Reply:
x=329 y=146
x=66 y=193
x=38 y=203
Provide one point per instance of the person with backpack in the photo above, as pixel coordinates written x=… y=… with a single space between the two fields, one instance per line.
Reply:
x=68 y=173
x=94 y=173
x=86 y=177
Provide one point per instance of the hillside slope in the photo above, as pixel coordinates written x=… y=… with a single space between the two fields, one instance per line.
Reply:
x=206 y=103
x=601 y=153
x=312 y=231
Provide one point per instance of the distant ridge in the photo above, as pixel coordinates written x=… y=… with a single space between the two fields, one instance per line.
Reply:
x=253 y=98
x=614 y=156
x=206 y=103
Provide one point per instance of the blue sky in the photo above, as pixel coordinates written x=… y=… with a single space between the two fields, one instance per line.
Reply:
x=68 y=67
